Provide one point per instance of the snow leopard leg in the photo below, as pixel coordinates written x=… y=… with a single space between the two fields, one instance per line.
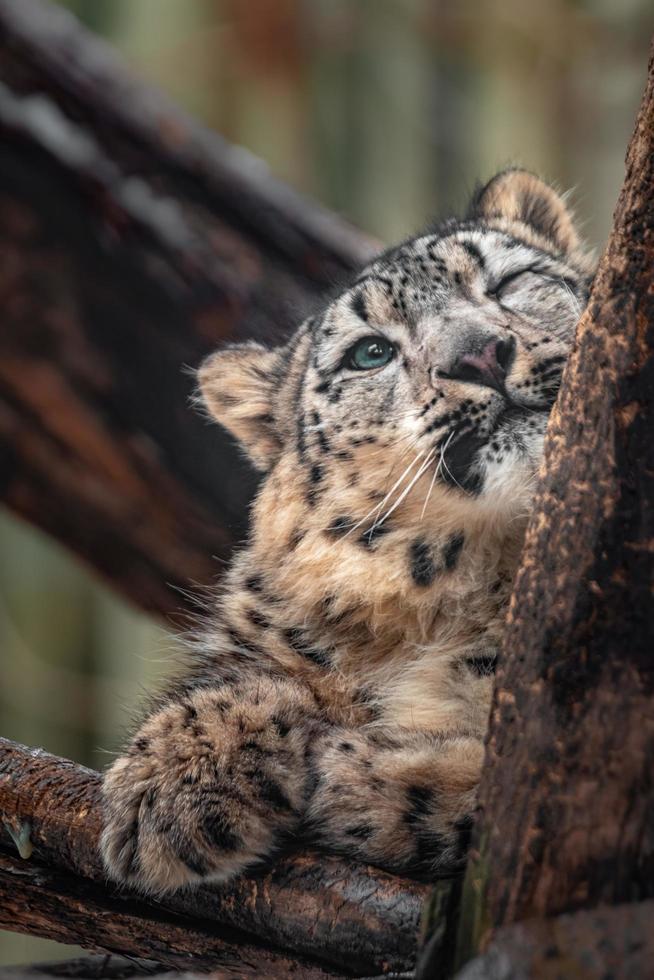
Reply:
x=211 y=783
x=402 y=801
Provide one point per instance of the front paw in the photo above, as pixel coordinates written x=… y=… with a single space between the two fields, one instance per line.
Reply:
x=403 y=804
x=208 y=787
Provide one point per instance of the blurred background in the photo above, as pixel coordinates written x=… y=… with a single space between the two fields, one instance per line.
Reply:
x=385 y=110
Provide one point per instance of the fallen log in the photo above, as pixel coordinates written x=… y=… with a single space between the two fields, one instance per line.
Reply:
x=566 y=815
x=132 y=243
x=351 y=917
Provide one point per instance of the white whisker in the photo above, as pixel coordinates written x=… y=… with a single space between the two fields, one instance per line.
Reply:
x=431 y=487
x=379 y=506
x=446 y=467
x=437 y=470
x=406 y=491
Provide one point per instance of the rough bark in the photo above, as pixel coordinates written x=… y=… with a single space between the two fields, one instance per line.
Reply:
x=353 y=917
x=132 y=242
x=57 y=906
x=567 y=799
x=109 y=967
x=615 y=943
x=99 y=967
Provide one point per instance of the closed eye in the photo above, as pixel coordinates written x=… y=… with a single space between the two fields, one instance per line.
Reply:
x=499 y=287
x=543 y=275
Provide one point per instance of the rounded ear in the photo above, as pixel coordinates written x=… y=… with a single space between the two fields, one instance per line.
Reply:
x=517 y=195
x=237 y=387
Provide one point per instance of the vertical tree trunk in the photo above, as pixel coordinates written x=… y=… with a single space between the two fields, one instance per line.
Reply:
x=567 y=799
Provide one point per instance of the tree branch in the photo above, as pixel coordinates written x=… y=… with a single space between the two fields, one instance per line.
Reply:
x=352 y=917
x=132 y=243
x=98 y=967
x=56 y=906
x=567 y=795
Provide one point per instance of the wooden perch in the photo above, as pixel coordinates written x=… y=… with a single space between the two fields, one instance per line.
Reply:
x=99 y=967
x=351 y=917
x=132 y=242
x=567 y=796
x=56 y=906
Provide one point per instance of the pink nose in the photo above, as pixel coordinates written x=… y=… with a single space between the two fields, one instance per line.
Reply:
x=488 y=368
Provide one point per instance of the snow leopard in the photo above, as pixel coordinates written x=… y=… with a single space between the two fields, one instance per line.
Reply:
x=337 y=695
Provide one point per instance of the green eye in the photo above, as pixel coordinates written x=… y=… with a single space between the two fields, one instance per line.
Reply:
x=369 y=353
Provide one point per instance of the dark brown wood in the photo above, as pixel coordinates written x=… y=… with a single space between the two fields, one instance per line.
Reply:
x=350 y=916
x=615 y=942
x=132 y=242
x=57 y=906
x=567 y=796
x=111 y=967
x=97 y=967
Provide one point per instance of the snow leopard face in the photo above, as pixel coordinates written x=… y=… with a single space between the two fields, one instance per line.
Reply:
x=429 y=380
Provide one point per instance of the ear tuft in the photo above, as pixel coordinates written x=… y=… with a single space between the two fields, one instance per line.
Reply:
x=236 y=387
x=517 y=195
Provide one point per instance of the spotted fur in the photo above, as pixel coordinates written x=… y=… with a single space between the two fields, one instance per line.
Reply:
x=340 y=690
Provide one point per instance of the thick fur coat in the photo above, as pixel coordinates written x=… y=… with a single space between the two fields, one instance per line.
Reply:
x=339 y=692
